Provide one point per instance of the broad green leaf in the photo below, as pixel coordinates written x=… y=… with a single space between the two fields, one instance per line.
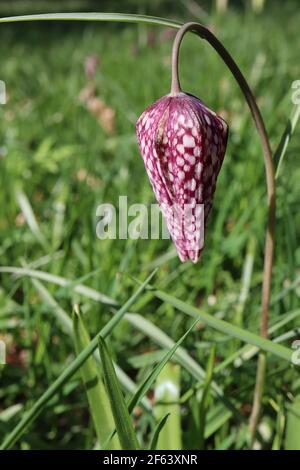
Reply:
x=98 y=400
x=124 y=426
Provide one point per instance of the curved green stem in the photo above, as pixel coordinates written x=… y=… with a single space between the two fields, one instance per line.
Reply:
x=206 y=34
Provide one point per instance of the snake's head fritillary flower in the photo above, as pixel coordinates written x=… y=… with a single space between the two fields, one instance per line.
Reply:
x=183 y=144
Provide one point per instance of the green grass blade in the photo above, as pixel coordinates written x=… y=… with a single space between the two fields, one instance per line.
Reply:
x=285 y=139
x=163 y=340
x=218 y=324
x=97 y=296
x=247 y=352
x=181 y=355
x=98 y=400
x=279 y=426
x=158 y=429
x=40 y=404
x=167 y=395
x=124 y=426
x=60 y=281
x=129 y=385
x=139 y=322
x=30 y=218
x=143 y=388
x=63 y=319
x=292 y=438
x=148 y=382
x=205 y=397
x=227 y=328
x=216 y=419
x=246 y=281
x=66 y=323
x=114 y=17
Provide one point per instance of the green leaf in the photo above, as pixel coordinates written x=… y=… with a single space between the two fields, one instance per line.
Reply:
x=247 y=351
x=292 y=439
x=66 y=323
x=98 y=400
x=227 y=328
x=159 y=427
x=30 y=218
x=215 y=419
x=150 y=379
x=167 y=395
x=118 y=17
x=120 y=412
x=181 y=356
x=219 y=325
x=285 y=139
x=279 y=426
x=60 y=281
x=161 y=338
x=205 y=397
x=67 y=373
x=143 y=388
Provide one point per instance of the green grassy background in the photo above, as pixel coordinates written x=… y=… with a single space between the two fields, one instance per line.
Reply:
x=56 y=156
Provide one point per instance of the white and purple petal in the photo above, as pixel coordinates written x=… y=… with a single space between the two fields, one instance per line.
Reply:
x=183 y=145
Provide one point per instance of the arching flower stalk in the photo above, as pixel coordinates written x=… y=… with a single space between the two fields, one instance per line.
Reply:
x=183 y=144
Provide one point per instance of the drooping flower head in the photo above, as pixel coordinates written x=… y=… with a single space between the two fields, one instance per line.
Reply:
x=183 y=144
